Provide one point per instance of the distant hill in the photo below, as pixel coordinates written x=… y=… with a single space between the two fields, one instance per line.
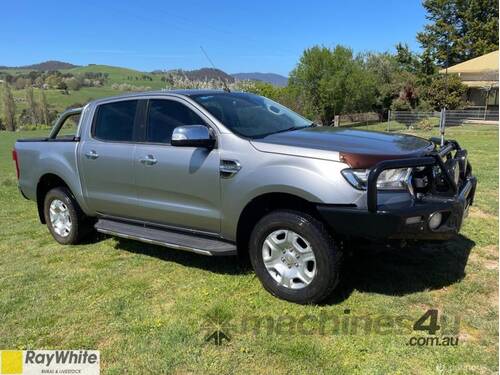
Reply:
x=119 y=74
x=204 y=74
x=272 y=78
x=46 y=65
x=109 y=69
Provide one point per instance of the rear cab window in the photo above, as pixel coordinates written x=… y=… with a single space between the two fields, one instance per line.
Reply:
x=114 y=122
x=69 y=128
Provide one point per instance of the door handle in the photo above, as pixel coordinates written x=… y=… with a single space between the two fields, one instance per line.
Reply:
x=92 y=155
x=148 y=160
x=228 y=168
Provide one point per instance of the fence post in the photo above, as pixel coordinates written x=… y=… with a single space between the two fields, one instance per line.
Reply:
x=389 y=121
x=442 y=124
x=336 y=121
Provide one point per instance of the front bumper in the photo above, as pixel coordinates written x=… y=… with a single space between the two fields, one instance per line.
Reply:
x=391 y=222
x=410 y=220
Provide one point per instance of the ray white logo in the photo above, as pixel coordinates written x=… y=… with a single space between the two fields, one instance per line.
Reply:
x=30 y=362
x=61 y=357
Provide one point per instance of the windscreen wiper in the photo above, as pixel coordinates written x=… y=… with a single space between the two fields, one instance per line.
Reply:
x=286 y=130
x=291 y=128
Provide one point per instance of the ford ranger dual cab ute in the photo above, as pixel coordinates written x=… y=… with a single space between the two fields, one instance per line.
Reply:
x=225 y=173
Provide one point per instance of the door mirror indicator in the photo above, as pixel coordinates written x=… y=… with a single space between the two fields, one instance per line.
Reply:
x=192 y=136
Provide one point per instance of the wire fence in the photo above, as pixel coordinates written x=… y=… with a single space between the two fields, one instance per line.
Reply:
x=450 y=117
x=413 y=118
x=398 y=120
x=357 y=118
x=458 y=117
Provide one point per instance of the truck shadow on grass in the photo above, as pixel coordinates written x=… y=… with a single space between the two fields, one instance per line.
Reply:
x=401 y=271
x=371 y=269
x=227 y=265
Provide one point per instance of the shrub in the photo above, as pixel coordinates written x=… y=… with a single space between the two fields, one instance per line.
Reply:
x=55 y=82
x=445 y=91
x=425 y=124
x=129 y=87
x=400 y=105
x=425 y=106
x=72 y=84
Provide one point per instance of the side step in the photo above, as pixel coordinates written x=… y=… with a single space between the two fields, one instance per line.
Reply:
x=163 y=237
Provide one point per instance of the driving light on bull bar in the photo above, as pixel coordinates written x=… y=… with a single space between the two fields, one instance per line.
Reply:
x=453 y=170
x=461 y=156
x=413 y=220
x=390 y=179
x=435 y=220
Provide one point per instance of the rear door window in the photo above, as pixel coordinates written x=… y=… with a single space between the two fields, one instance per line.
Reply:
x=115 y=121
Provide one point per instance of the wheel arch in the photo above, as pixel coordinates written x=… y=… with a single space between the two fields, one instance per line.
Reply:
x=261 y=205
x=47 y=182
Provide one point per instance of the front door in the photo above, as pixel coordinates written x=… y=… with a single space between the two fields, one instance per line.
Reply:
x=176 y=186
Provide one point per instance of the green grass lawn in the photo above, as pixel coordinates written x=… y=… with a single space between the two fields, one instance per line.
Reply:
x=146 y=307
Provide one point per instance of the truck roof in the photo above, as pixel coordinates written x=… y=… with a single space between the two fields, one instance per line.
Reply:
x=183 y=92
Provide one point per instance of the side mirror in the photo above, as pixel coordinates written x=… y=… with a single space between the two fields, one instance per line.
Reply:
x=192 y=136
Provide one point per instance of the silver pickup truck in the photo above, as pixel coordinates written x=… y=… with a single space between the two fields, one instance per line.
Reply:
x=225 y=173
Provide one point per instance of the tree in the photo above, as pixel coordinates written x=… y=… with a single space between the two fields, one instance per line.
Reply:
x=55 y=82
x=44 y=109
x=407 y=60
x=38 y=82
x=265 y=89
x=459 y=30
x=9 y=108
x=21 y=82
x=383 y=67
x=72 y=84
x=427 y=67
x=32 y=107
x=445 y=92
x=330 y=82
x=397 y=80
x=408 y=88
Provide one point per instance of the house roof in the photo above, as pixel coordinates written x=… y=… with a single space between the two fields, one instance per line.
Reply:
x=481 y=84
x=481 y=64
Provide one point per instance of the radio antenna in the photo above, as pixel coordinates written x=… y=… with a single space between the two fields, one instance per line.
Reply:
x=442 y=125
x=226 y=87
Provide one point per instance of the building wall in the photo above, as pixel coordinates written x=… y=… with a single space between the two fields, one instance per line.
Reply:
x=477 y=97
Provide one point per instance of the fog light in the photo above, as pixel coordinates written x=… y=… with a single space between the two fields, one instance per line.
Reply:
x=435 y=220
x=413 y=220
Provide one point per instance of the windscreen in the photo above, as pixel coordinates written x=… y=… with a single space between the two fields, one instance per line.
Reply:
x=249 y=115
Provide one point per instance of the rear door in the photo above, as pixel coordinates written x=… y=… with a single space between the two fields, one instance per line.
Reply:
x=180 y=187
x=106 y=159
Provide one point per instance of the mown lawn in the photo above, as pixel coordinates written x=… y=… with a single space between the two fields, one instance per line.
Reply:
x=148 y=309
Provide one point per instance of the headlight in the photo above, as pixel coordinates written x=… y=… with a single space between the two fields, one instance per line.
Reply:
x=390 y=179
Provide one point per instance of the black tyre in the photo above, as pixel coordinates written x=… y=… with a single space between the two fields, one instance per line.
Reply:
x=64 y=217
x=294 y=256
